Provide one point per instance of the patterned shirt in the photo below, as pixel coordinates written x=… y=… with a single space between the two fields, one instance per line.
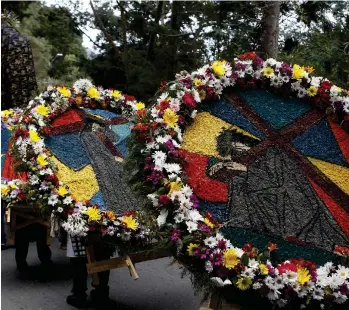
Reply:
x=17 y=68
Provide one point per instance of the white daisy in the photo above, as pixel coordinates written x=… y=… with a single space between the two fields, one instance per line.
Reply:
x=211 y=242
x=52 y=200
x=67 y=200
x=60 y=209
x=191 y=226
x=340 y=298
x=318 y=294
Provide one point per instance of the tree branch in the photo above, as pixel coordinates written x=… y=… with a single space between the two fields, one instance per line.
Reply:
x=105 y=32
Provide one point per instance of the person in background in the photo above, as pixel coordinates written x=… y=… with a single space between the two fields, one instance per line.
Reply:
x=18 y=83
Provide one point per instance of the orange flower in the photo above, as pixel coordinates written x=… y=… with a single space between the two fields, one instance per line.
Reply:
x=272 y=246
x=78 y=100
x=111 y=215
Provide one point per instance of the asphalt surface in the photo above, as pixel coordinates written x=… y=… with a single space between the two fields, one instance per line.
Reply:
x=159 y=286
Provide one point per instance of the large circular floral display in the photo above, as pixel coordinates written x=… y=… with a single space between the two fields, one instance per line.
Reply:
x=68 y=145
x=268 y=156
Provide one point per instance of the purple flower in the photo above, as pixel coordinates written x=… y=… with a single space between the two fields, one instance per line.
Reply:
x=338 y=105
x=202 y=252
x=155 y=176
x=344 y=290
x=175 y=234
x=169 y=145
x=222 y=244
x=194 y=200
x=216 y=259
x=204 y=228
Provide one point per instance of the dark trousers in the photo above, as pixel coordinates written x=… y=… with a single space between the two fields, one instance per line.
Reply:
x=3 y=231
x=80 y=273
x=34 y=232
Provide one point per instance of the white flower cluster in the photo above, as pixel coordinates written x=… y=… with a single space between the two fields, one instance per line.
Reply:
x=76 y=225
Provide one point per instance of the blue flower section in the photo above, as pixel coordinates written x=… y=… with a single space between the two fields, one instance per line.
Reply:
x=122 y=131
x=102 y=113
x=69 y=150
x=5 y=137
x=319 y=142
x=122 y=148
x=98 y=200
x=276 y=110
x=226 y=111
x=218 y=210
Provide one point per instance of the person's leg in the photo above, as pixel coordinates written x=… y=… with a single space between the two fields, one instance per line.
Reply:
x=22 y=245
x=100 y=295
x=3 y=231
x=79 y=298
x=63 y=238
x=44 y=251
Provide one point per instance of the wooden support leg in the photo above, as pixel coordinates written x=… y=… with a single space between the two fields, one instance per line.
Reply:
x=91 y=259
x=214 y=302
x=131 y=268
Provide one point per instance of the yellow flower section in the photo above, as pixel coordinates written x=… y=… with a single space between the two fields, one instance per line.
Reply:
x=268 y=72
x=175 y=187
x=62 y=191
x=208 y=222
x=201 y=136
x=263 y=269
x=93 y=214
x=64 y=91
x=170 y=118
x=303 y=275
x=298 y=72
x=337 y=174
x=41 y=159
x=33 y=135
x=5 y=190
x=130 y=222
x=42 y=110
x=116 y=94
x=218 y=67
x=140 y=105
x=230 y=258
x=93 y=93
x=244 y=283
x=82 y=184
x=191 y=247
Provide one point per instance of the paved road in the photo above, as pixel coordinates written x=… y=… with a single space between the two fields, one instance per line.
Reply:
x=159 y=287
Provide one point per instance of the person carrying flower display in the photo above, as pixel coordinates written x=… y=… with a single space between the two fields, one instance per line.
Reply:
x=18 y=83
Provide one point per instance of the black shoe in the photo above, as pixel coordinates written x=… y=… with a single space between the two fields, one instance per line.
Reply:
x=100 y=299
x=77 y=301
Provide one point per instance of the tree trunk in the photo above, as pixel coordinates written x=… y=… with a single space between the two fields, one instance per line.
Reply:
x=270 y=24
x=153 y=35
x=173 y=41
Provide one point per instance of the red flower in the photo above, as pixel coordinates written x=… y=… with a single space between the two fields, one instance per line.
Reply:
x=272 y=246
x=162 y=85
x=46 y=130
x=248 y=55
x=21 y=196
x=141 y=113
x=129 y=98
x=341 y=250
x=286 y=266
x=164 y=104
x=189 y=100
x=164 y=200
x=326 y=85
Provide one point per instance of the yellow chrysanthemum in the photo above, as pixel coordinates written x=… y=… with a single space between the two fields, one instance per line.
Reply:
x=93 y=93
x=298 y=72
x=312 y=91
x=197 y=82
x=42 y=110
x=140 y=105
x=7 y=113
x=62 y=191
x=308 y=69
x=244 y=283
x=64 y=91
x=303 y=275
x=13 y=186
x=130 y=222
x=175 y=187
x=208 y=222
x=111 y=215
x=116 y=94
x=263 y=269
x=33 y=135
x=93 y=214
x=191 y=247
x=170 y=118
x=218 y=67
x=5 y=189
x=230 y=258
x=202 y=94
x=41 y=160
x=268 y=72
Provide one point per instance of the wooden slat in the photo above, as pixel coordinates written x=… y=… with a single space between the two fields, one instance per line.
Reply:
x=131 y=268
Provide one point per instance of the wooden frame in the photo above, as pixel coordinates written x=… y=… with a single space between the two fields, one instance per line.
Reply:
x=29 y=214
